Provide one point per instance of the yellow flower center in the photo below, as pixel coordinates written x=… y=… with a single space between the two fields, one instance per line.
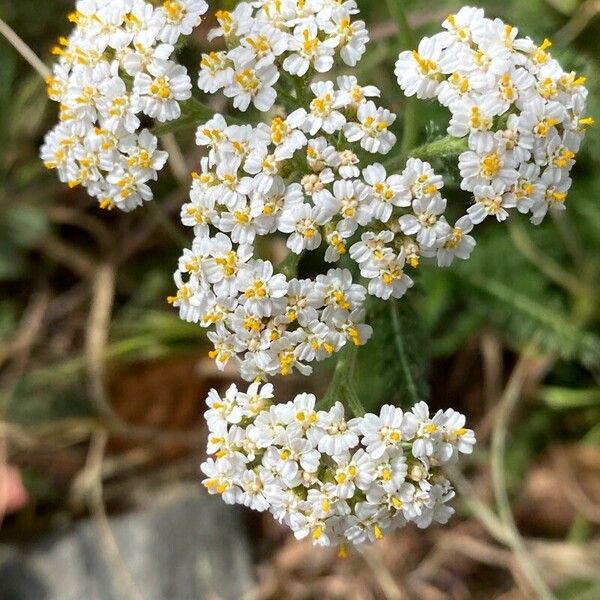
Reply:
x=160 y=88
x=491 y=165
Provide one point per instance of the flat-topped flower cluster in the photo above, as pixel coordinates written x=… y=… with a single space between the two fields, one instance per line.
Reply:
x=114 y=68
x=305 y=174
x=523 y=114
x=331 y=479
x=300 y=175
x=268 y=37
x=289 y=177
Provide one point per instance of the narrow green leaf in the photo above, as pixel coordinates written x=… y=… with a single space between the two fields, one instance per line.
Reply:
x=559 y=333
x=404 y=360
x=411 y=356
x=8 y=63
x=193 y=112
x=560 y=398
x=353 y=401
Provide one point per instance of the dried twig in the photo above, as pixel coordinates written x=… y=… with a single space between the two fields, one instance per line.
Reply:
x=509 y=401
x=136 y=240
x=572 y=489
x=491 y=352
x=95 y=227
x=25 y=337
x=68 y=255
x=579 y=21
x=481 y=511
x=24 y=50
x=92 y=476
x=67 y=432
x=96 y=338
x=389 y=586
x=19 y=347
x=176 y=159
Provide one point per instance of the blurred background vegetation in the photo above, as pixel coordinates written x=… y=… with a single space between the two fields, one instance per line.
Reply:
x=88 y=345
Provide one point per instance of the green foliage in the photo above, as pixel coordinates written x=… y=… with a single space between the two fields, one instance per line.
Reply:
x=499 y=288
x=20 y=230
x=561 y=398
x=583 y=589
x=394 y=363
x=192 y=113
x=8 y=66
x=521 y=315
x=58 y=390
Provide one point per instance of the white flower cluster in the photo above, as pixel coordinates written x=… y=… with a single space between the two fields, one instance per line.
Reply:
x=523 y=115
x=115 y=67
x=299 y=175
x=268 y=179
x=328 y=478
x=268 y=35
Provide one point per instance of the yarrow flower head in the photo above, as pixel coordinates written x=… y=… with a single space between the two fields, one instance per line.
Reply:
x=522 y=114
x=267 y=40
x=304 y=173
x=114 y=68
x=290 y=176
x=330 y=479
x=299 y=174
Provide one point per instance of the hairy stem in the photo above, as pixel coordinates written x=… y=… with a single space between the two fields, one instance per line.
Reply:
x=508 y=403
x=289 y=266
x=444 y=148
x=402 y=355
x=342 y=387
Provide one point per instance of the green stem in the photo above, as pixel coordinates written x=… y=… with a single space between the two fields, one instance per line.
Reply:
x=178 y=238
x=444 y=148
x=281 y=93
x=406 y=36
x=411 y=127
x=193 y=112
x=447 y=147
x=301 y=86
x=402 y=356
x=289 y=266
x=354 y=402
x=342 y=387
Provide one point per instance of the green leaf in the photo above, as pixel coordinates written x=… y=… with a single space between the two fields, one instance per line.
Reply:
x=28 y=107
x=8 y=64
x=395 y=361
x=26 y=225
x=558 y=332
x=12 y=265
x=566 y=7
x=579 y=590
x=193 y=112
x=560 y=398
x=405 y=362
x=342 y=386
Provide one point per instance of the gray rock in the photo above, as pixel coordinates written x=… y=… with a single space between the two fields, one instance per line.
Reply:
x=191 y=547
